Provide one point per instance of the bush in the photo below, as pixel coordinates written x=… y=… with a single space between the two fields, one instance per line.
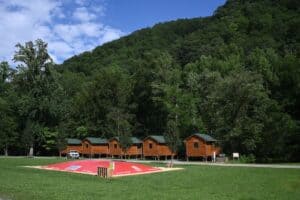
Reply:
x=247 y=158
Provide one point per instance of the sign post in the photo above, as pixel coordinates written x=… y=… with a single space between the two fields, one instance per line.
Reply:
x=235 y=155
x=111 y=168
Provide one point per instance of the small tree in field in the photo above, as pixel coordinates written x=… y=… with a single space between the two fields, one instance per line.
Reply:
x=172 y=137
x=61 y=143
x=124 y=135
x=49 y=142
x=125 y=143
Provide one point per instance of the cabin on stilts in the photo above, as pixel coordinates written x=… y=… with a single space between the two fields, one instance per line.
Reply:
x=135 y=149
x=73 y=144
x=202 y=146
x=95 y=147
x=155 y=146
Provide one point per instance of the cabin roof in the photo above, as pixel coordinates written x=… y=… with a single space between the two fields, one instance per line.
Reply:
x=96 y=140
x=158 y=138
x=73 y=141
x=134 y=140
x=205 y=137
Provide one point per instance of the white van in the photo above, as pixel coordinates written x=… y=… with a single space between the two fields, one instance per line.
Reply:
x=73 y=154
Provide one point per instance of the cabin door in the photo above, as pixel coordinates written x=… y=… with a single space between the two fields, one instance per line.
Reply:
x=87 y=148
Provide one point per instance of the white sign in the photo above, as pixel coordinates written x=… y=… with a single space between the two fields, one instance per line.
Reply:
x=235 y=155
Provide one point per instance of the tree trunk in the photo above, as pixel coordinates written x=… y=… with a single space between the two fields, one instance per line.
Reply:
x=118 y=127
x=6 y=150
x=31 y=151
x=172 y=158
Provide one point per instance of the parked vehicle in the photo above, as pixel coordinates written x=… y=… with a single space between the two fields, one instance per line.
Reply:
x=73 y=154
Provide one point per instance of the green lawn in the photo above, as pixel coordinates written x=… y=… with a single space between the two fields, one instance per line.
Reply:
x=195 y=182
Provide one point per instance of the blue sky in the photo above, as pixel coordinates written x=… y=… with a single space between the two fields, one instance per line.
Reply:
x=73 y=26
x=130 y=15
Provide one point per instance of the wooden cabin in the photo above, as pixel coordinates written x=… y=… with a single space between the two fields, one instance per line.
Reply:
x=156 y=146
x=72 y=144
x=92 y=146
x=134 y=150
x=201 y=145
x=114 y=147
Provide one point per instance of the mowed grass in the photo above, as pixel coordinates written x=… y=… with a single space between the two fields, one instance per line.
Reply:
x=194 y=182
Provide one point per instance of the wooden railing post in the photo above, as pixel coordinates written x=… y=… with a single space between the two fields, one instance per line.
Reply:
x=105 y=172
x=102 y=172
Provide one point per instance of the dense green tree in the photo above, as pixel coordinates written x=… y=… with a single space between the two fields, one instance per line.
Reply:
x=167 y=91
x=8 y=123
x=104 y=104
x=6 y=72
x=81 y=132
x=7 y=126
x=50 y=139
x=61 y=137
x=238 y=107
x=35 y=82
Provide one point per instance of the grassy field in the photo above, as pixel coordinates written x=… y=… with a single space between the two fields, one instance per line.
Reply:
x=194 y=182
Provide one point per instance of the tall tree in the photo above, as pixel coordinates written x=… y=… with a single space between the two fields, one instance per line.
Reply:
x=8 y=122
x=238 y=107
x=34 y=80
x=168 y=92
x=61 y=137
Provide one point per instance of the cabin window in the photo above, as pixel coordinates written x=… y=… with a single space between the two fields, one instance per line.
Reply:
x=86 y=145
x=116 y=146
x=196 y=145
x=150 y=146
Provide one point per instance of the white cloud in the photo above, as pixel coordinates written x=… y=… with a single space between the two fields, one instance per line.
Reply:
x=20 y=21
x=58 y=12
x=80 y=2
x=82 y=14
x=59 y=50
x=110 y=34
x=100 y=10
x=67 y=31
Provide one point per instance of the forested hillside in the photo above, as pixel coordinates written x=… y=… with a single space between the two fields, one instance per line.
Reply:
x=234 y=75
